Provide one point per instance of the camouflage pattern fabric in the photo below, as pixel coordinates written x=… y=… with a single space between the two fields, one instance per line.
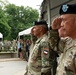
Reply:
x=39 y=60
x=67 y=60
x=54 y=41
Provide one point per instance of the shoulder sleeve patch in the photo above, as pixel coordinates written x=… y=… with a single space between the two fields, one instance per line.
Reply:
x=46 y=50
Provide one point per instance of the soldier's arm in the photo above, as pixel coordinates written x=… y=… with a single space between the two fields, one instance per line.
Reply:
x=53 y=33
x=45 y=57
x=54 y=38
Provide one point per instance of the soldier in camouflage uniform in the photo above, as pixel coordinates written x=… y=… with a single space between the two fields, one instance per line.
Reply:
x=67 y=28
x=39 y=60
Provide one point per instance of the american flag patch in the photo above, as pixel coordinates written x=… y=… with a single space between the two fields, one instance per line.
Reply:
x=45 y=52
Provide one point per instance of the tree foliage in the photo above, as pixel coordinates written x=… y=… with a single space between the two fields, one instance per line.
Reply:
x=5 y=29
x=16 y=19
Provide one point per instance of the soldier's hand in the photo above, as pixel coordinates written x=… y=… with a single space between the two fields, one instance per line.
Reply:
x=56 y=23
x=32 y=30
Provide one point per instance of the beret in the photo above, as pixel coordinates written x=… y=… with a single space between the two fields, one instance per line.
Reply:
x=67 y=9
x=41 y=22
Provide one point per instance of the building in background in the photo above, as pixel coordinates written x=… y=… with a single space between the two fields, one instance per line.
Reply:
x=50 y=8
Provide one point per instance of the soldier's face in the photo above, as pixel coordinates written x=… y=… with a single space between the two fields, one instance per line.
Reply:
x=36 y=30
x=68 y=25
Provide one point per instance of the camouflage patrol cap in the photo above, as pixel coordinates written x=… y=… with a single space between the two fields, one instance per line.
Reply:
x=41 y=22
x=67 y=9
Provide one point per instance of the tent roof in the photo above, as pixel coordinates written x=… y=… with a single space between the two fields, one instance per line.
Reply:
x=25 y=32
x=1 y=35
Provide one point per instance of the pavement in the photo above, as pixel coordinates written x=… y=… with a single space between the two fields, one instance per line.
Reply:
x=10 y=59
x=22 y=72
x=12 y=66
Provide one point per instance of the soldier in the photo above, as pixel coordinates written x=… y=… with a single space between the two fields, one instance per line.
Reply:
x=67 y=28
x=39 y=62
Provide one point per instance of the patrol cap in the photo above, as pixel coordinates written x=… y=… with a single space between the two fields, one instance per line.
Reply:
x=67 y=9
x=41 y=22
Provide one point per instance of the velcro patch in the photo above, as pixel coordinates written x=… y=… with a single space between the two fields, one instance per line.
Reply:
x=46 y=52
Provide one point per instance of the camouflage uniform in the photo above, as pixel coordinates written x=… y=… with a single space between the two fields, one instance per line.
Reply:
x=67 y=60
x=39 y=60
x=56 y=48
x=67 y=54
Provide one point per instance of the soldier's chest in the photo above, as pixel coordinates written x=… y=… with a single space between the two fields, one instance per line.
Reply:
x=67 y=57
x=36 y=52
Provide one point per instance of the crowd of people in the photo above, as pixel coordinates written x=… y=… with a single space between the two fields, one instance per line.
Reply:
x=53 y=52
x=23 y=48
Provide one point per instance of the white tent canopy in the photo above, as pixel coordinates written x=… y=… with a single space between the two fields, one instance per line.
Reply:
x=1 y=35
x=25 y=32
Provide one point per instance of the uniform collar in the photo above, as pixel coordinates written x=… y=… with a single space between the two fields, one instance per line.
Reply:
x=70 y=43
x=39 y=39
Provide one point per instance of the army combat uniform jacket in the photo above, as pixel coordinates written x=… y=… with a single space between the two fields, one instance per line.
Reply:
x=67 y=60
x=39 y=60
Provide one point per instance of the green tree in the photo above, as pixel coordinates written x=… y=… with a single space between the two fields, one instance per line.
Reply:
x=20 y=18
x=4 y=27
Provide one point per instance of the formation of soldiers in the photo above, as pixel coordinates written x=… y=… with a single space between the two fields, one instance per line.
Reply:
x=54 y=54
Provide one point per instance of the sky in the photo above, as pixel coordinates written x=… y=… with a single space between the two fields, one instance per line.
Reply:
x=32 y=3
